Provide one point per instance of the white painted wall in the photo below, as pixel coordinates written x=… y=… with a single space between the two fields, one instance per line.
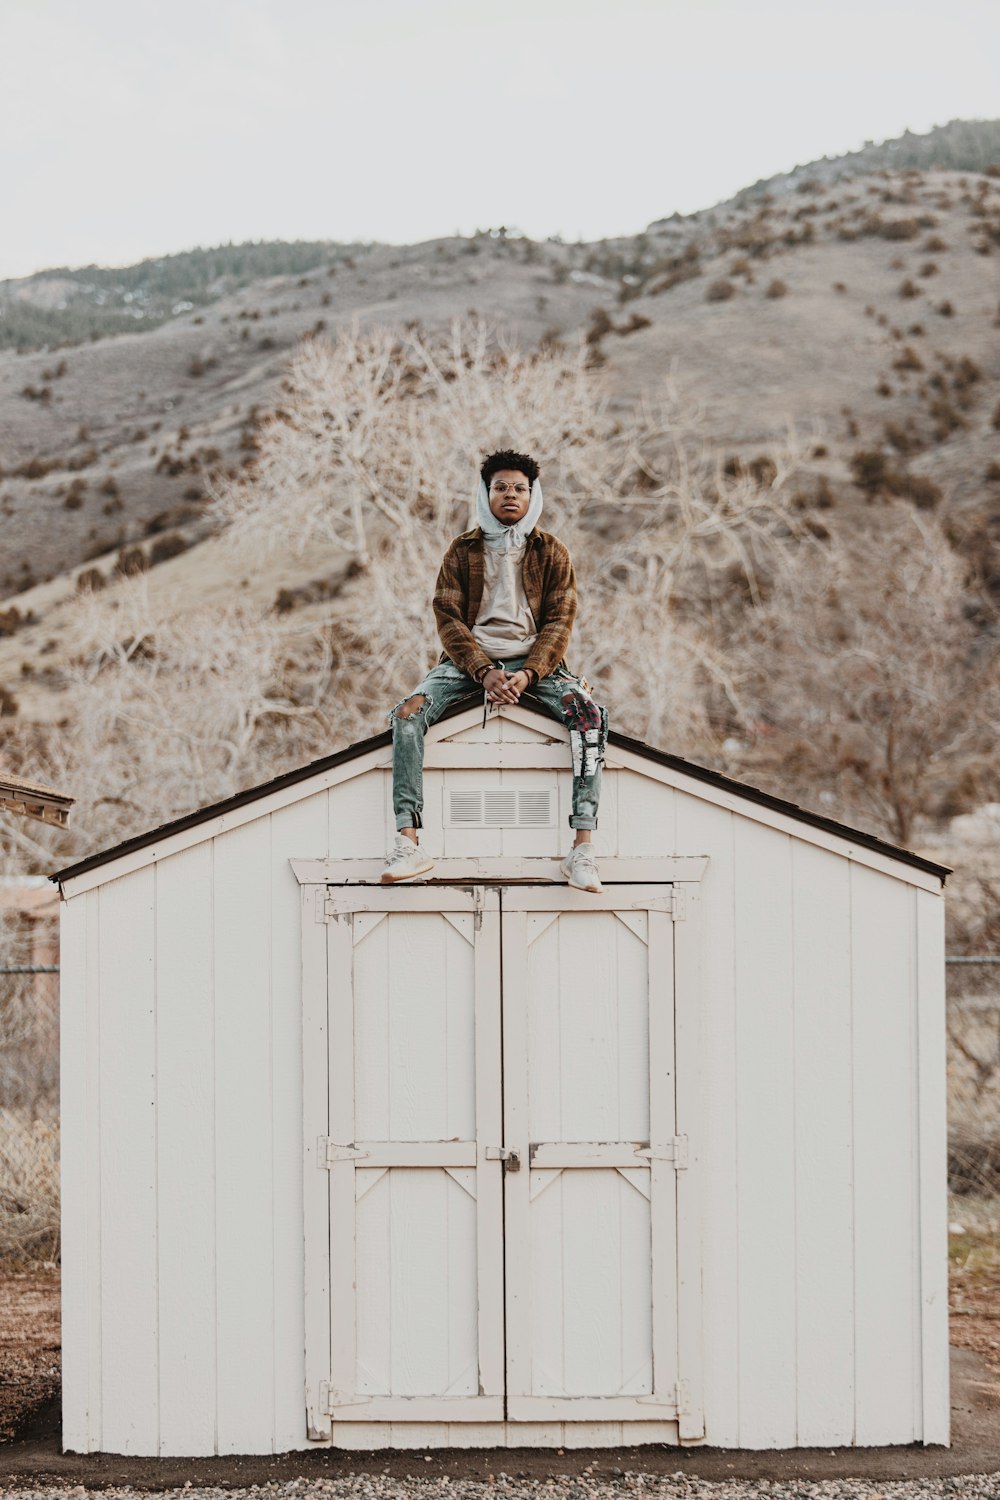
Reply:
x=822 y=1158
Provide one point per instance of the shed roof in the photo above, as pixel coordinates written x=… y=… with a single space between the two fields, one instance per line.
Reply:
x=378 y=741
x=33 y=799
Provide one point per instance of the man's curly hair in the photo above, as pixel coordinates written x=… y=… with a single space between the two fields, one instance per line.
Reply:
x=508 y=459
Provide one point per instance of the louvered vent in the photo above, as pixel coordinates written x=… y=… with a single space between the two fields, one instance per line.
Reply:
x=500 y=807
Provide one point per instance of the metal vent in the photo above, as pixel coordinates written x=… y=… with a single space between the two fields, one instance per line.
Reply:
x=500 y=807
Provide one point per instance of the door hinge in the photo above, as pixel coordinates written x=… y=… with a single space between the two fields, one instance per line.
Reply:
x=677 y=1396
x=332 y=907
x=678 y=906
x=328 y=1152
x=511 y=1159
x=331 y=1401
x=673 y=1149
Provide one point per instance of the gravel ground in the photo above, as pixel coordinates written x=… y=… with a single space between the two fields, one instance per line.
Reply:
x=625 y=1486
x=32 y=1463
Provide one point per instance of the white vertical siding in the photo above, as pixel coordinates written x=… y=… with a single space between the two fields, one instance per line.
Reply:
x=294 y=829
x=186 y=1165
x=78 y=1203
x=357 y=822
x=824 y=1239
x=822 y=1151
x=765 y=1134
x=243 y=1139
x=886 y=1291
x=933 y=1141
x=93 y=1208
x=703 y=829
x=182 y=1104
x=129 y=1250
x=809 y=1016
x=646 y=816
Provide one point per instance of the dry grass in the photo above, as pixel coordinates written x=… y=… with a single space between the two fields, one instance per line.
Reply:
x=29 y=1187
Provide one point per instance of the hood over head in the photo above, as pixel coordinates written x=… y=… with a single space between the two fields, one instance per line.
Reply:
x=495 y=531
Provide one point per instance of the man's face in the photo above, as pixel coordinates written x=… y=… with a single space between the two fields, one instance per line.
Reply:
x=510 y=495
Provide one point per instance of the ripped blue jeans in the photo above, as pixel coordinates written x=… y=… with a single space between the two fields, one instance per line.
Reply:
x=563 y=696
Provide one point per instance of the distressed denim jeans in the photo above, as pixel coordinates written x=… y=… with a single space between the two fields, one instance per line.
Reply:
x=563 y=696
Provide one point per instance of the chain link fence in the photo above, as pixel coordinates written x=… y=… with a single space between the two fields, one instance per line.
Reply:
x=29 y=1085
x=29 y=1093
x=973 y=1021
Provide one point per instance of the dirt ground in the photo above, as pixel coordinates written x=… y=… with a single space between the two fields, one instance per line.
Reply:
x=30 y=1354
x=31 y=1450
x=975 y=1320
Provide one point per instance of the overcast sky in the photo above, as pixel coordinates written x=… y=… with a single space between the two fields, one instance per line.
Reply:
x=131 y=128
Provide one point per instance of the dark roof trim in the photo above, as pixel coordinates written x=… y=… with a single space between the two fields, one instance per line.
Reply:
x=379 y=741
x=778 y=804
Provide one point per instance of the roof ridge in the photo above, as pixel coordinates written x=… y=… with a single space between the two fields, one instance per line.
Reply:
x=462 y=705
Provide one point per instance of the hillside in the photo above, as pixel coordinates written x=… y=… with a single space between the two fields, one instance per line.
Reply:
x=864 y=312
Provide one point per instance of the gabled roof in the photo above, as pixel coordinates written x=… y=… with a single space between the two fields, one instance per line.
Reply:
x=380 y=741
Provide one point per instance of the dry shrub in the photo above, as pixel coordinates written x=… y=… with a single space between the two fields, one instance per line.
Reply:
x=29 y=1186
x=130 y=560
x=636 y=321
x=908 y=359
x=873 y=474
x=945 y=419
x=165 y=547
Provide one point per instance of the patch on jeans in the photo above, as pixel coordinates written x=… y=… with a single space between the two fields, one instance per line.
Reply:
x=588 y=732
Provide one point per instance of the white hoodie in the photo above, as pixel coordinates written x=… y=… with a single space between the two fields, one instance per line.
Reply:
x=505 y=626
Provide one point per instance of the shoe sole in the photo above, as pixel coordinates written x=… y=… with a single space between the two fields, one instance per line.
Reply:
x=410 y=875
x=596 y=889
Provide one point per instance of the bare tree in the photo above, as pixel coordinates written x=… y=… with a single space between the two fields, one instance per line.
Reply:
x=377 y=447
x=169 y=707
x=872 y=686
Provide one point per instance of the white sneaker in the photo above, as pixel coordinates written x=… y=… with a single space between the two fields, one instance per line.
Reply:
x=580 y=868
x=405 y=859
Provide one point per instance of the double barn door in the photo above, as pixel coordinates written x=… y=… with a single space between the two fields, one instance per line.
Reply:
x=501 y=1154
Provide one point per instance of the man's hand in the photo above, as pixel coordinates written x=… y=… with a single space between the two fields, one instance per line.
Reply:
x=504 y=687
x=520 y=681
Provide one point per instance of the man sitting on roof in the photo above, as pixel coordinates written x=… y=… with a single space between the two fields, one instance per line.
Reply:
x=505 y=601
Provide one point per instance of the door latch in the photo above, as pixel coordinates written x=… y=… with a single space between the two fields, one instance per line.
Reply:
x=511 y=1159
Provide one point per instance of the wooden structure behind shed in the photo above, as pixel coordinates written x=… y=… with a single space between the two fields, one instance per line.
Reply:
x=32 y=800
x=484 y=1160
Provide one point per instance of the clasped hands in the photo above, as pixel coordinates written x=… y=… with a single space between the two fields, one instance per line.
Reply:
x=501 y=686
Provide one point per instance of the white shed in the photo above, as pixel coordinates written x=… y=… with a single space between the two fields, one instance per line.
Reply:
x=484 y=1160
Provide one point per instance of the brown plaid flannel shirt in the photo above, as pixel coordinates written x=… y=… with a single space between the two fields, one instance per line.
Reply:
x=549 y=584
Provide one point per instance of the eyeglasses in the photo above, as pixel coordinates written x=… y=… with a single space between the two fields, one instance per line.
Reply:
x=501 y=488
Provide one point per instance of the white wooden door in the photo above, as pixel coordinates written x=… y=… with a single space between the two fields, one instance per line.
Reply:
x=589 y=1102
x=502 y=1157
x=416 y=1218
